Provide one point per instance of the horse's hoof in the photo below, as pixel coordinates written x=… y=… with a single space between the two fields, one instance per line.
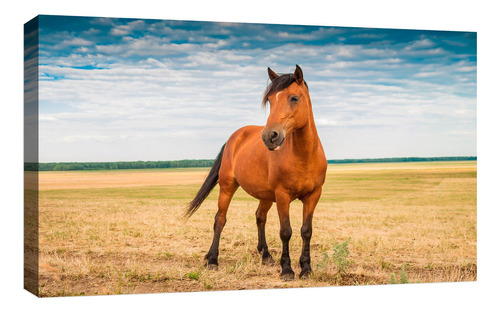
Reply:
x=288 y=276
x=213 y=267
x=305 y=274
x=268 y=261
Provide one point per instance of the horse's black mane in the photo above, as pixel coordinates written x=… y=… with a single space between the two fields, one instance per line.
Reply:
x=280 y=83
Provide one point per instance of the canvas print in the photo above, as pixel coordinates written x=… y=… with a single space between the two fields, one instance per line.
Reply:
x=175 y=156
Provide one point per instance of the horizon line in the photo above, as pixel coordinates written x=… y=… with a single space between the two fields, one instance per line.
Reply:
x=211 y=159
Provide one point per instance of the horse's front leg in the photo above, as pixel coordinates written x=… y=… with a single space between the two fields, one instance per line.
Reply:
x=310 y=203
x=261 y=217
x=283 y=203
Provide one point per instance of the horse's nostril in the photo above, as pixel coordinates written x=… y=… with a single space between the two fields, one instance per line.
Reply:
x=274 y=135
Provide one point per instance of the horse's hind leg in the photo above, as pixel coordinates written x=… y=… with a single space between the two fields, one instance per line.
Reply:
x=261 y=217
x=225 y=195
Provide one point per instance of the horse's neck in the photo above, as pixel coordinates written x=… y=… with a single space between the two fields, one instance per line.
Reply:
x=306 y=140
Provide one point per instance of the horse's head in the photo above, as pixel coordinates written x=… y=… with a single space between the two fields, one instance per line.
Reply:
x=290 y=104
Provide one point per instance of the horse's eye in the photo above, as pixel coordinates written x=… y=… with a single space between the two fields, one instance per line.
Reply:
x=294 y=99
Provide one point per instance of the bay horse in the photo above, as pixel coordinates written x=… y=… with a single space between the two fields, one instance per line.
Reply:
x=279 y=162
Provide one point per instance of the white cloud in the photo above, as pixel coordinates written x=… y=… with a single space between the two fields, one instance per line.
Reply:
x=427 y=74
x=76 y=42
x=420 y=44
x=123 y=30
x=325 y=122
x=46 y=118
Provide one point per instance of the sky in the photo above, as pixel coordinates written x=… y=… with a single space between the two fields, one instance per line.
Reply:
x=135 y=89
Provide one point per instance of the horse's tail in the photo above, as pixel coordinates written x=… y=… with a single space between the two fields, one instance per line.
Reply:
x=206 y=188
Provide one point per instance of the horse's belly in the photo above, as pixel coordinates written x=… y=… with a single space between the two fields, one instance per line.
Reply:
x=267 y=195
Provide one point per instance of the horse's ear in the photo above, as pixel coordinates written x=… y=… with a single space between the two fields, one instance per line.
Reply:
x=299 y=76
x=272 y=75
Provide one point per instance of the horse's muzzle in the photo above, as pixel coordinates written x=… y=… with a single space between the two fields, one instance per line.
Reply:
x=273 y=138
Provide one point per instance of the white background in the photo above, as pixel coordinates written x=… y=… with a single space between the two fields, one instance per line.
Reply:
x=433 y=15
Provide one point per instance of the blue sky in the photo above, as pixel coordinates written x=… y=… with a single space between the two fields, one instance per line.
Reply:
x=127 y=89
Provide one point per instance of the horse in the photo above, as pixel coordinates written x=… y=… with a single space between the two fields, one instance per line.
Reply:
x=279 y=162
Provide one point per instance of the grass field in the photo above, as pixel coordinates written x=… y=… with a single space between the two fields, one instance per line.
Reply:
x=121 y=232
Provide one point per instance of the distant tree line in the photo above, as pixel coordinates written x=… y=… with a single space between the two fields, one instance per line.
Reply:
x=96 y=166
x=408 y=159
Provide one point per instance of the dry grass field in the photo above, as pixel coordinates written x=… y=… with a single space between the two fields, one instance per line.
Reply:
x=122 y=232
